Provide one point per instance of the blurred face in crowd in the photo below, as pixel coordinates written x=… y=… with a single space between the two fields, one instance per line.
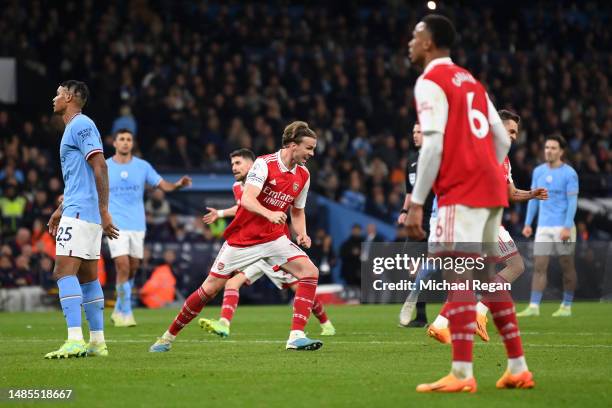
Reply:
x=512 y=129
x=420 y=44
x=240 y=167
x=124 y=143
x=552 y=152
x=417 y=136
x=302 y=152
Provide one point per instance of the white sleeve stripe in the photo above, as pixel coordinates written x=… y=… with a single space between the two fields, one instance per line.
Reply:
x=91 y=153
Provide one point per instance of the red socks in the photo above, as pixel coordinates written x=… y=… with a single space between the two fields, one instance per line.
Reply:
x=230 y=303
x=191 y=308
x=303 y=302
x=461 y=311
x=318 y=311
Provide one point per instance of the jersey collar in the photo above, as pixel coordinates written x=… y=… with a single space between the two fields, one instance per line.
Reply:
x=281 y=165
x=438 y=61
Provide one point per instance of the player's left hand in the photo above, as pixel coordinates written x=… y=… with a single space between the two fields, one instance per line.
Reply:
x=108 y=228
x=565 y=234
x=540 y=193
x=183 y=182
x=414 y=222
x=303 y=240
x=211 y=216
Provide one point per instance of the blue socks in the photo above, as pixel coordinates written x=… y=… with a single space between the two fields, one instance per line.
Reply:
x=71 y=296
x=93 y=303
x=126 y=301
x=568 y=297
x=536 y=298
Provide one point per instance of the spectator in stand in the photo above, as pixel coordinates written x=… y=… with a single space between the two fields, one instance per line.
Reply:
x=350 y=255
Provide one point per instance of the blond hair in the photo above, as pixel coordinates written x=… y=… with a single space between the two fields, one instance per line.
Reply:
x=296 y=131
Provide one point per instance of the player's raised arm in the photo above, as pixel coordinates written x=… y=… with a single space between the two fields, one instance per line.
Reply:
x=254 y=183
x=168 y=187
x=214 y=214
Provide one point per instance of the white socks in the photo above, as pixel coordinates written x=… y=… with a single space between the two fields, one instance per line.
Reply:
x=96 y=336
x=481 y=308
x=296 y=334
x=441 y=322
x=462 y=369
x=75 y=333
x=517 y=365
x=224 y=321
x=168 y=336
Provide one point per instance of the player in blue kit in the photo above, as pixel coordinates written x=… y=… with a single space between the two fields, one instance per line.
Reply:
x=78 y=224
x=556 y=233
x=128 y=176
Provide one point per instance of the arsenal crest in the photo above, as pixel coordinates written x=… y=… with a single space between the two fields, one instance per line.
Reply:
x=296 y=186
x=220 y=266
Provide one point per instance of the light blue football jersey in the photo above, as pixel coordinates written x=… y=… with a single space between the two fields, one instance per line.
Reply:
x=127 y=185
x=561 y=183
x=81 y=140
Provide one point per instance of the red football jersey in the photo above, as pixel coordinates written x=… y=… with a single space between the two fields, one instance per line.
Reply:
x=450 y=100
x=238 y=188
x=281 y=188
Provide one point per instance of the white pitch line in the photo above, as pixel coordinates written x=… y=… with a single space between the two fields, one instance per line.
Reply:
x=373 y=342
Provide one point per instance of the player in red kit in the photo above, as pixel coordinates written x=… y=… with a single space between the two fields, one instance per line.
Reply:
x=464 y=145
x=242 y=161
x=507 y=251
x=276 y=182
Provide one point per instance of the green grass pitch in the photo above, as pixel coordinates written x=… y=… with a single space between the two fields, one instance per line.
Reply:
x=369 y=363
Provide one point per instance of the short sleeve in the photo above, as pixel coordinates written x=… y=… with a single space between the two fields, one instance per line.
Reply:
x=411 y=177
x=534 y=178
x=300 y=201
x=431 y=105
x=572 y=182
x=258 y=174
x=87 y=138
x=152 y=177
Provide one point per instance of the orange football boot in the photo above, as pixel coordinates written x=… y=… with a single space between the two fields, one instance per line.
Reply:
x=522 y=380
x=450 y=383
x=442 y=335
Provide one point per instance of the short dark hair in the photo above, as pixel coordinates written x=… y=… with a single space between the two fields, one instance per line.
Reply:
x=559 y=139
x=244 y=153
x=442 y=30
x=78 y=88
x=509 y=115
x=123 y=130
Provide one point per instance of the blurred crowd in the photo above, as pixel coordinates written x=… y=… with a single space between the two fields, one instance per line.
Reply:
x=195 y=80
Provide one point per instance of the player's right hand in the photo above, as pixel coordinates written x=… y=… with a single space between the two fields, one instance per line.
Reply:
x=211 y=216
x=540 y=193
x=277 y=217
x=527 y=231
x=108 y=228
x=53 y=223
x=414 y=222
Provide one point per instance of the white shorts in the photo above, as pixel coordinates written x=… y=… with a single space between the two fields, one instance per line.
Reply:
x=278 y=277
x=276 y=253
x=129 y=243
x=548 y=242
x=78 y=238
x=461 y=230
x=506 y=248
